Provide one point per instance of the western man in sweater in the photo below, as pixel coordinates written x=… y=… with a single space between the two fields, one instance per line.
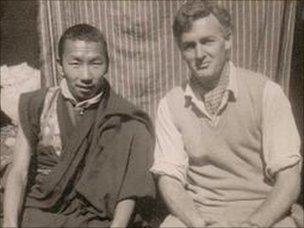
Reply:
x=227 y=147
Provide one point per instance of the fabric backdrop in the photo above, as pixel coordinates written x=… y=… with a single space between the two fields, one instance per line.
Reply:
x=144 y=60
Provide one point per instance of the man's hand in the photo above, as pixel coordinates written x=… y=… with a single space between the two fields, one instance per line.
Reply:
x=199 y=222
x=180 y=204
x=285 y=192
x=248 y=224
x=245 y=224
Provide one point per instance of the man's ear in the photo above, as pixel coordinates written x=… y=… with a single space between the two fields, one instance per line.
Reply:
x=59 y=67
x=228 y=40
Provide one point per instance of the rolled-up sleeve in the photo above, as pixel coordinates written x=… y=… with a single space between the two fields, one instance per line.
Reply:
x=170 y=157
x=281 y=141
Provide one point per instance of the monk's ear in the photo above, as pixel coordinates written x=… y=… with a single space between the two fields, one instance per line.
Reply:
x=59 y=67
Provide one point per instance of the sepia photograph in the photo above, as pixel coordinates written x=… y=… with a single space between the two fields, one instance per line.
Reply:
x=151 y=113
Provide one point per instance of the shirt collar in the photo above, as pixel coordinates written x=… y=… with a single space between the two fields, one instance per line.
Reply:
x=66 y=93
x=232 y=84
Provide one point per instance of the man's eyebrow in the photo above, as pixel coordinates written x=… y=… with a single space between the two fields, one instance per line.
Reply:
x=208 y=37
x=188 y=43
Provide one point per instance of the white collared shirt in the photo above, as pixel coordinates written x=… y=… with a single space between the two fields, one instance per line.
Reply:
x=230 y=90
x=281 y=142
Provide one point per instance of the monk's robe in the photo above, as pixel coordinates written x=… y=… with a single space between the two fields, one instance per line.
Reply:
x=81 y=171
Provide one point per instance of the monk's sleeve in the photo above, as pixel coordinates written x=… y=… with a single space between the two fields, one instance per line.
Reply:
x=30 y=108
x=137 y=180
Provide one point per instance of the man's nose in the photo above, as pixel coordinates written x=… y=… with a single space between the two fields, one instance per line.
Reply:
x=199 y=51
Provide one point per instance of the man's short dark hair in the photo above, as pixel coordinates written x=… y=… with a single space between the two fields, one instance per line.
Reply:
x=196 y=9
x=83 y=32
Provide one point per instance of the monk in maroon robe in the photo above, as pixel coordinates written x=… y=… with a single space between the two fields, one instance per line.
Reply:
x=82 y=153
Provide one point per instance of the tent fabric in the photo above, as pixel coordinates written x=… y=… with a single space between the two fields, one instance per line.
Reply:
x=144 y=59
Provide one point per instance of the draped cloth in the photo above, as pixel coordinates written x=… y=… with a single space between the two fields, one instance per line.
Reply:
x=144 y=59
x=102 y=162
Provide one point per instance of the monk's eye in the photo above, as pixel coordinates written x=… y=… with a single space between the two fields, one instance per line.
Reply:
x=98 y=63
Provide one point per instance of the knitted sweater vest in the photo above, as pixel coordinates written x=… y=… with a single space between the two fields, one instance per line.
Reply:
x=226 y=169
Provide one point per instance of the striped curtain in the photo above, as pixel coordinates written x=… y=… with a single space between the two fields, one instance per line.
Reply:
x=144 y=60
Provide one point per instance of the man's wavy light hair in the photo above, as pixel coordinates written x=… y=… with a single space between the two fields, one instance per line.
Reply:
x=196 y=9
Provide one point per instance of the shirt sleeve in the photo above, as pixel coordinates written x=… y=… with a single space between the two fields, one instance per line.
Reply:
x=170 y=157
x=281 y=141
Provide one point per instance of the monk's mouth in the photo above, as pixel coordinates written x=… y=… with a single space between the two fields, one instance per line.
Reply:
x=85 y=88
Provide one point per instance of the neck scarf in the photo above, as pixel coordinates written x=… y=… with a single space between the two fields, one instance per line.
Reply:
x=212 y=98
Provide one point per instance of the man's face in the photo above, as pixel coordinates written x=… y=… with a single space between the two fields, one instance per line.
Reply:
x=83 y=65
x=204 y=48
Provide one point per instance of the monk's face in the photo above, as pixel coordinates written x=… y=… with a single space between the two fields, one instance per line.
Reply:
x=83 y=64
x=204 y=47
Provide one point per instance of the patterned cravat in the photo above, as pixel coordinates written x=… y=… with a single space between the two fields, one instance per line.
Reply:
x=212 y=98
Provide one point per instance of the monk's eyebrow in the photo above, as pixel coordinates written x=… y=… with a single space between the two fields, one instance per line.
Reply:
x=75 y=58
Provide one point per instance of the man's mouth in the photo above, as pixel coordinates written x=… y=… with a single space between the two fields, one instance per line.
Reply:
x=202 y=66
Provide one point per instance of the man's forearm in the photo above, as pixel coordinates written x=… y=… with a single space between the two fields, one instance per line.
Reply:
x=179 y=202
x=13 y=198
x=284 y=194
x=123 y=213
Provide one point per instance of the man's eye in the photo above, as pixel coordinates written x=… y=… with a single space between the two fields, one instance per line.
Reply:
x=209 y=41
x=187 y=46
x=74 y=63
